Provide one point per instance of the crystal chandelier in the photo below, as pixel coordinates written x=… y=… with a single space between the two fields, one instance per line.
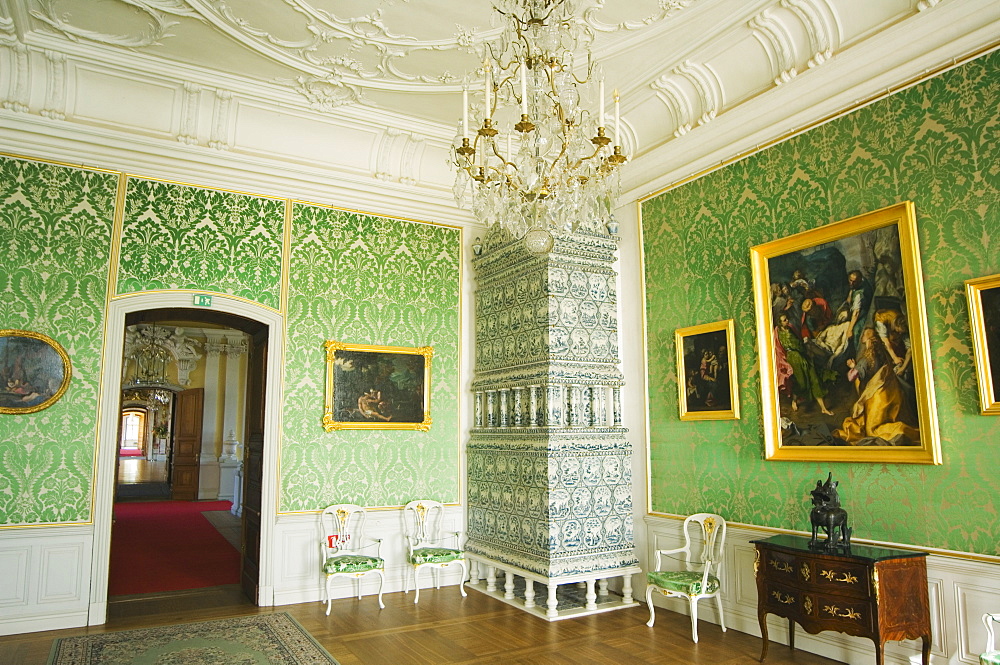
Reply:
x=149 y=358
x=541 y=160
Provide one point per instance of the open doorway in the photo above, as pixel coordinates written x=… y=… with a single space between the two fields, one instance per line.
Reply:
x=188 y=376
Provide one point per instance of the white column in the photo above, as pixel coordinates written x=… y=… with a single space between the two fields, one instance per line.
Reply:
x=234 y=349
x=208 y=473
x=627 y=588
x=553 y=601
x=491 y=578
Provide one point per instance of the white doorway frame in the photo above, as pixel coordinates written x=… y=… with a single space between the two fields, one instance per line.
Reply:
x=107 y=442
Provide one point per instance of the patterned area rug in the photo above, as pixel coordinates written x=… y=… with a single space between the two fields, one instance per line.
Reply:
x=270 y=639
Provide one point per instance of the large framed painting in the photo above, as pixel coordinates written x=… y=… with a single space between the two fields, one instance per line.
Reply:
x=706 y=372
x=842 y=334
x=377 y=387
x=34 y=371
x=984 y=311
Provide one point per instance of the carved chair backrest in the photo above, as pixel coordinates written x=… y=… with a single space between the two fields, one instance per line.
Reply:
x=704 y=540
x=342 y=526
x=423 y=522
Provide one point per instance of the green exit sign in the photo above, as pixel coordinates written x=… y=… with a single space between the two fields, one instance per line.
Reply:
x=202 y=300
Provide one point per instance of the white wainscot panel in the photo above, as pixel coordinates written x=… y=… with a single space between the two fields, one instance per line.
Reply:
x=14 y=577
x=122 y=102
x=960 y=591
x=44 y=578
x=297 y=577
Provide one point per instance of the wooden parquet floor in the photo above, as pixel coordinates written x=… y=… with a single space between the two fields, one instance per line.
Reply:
x=444 y=629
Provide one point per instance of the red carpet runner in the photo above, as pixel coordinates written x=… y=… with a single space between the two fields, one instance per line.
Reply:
x=168 y=546
x=130 y=452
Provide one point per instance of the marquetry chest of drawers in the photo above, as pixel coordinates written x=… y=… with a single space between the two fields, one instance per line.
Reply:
x=872 y=592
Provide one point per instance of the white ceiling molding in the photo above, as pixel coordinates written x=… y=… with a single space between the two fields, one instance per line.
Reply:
x=156 y=10
x=707 y=87
x=901 y=54
x=666 y=8
x=677 y=101
x=55 y=91
x=775 y=37
x=16 y=97
x=820 y=22
x=359 y=103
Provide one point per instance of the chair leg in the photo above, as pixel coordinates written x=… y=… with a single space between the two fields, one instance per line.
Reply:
x=465 y=572
x=416 y=585
x=722 y=621
x=406 y=582
x=357 y=586
x=649 y=601
x=381 y=581
x=329 y=596
x=694 y=619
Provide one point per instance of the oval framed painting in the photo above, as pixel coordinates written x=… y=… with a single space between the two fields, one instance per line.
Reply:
x=34 y=371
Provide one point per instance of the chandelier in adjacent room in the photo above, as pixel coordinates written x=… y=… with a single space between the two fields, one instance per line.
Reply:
x=539 y=158
x=148 y=357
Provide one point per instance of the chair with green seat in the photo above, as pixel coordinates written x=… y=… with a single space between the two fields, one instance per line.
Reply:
x=425 y=540
x=991 y=656
x=345 y=552
x=700 y=562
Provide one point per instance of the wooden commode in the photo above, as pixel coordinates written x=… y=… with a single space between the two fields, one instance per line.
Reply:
x=872 y=592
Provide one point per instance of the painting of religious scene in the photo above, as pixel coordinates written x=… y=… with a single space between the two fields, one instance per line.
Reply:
x=377 y=387
x=34 y=371
x=706 y=371
x=843 y=335
x=984 y=310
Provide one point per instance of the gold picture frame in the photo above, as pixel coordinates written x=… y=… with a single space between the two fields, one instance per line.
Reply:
x=34 y=371
x=706 y=372
x=983 y=294
x=377 y=387
x=847 y=376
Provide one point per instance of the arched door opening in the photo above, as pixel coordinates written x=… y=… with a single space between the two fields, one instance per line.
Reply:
x=183 y=421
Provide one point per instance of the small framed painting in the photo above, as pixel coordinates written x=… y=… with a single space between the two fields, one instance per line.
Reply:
x=34 y=371
x=706 y=372
x=984 y=313
x=844 y=357
x=377 y=387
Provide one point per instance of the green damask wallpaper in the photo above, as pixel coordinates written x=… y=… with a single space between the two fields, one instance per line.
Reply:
x=369 y=280
x=937 y=144
x=353 y=277
x=181 y=237
x=56 y=224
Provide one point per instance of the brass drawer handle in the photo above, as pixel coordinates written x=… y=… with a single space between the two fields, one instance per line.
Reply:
x=831 y=575
x=848 y=612
x=783 y=598
x=781 y=566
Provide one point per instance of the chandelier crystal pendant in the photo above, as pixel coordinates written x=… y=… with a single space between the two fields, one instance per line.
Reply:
x=541 y=161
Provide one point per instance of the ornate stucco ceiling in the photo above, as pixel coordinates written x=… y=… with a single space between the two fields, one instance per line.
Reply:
x=399 y=65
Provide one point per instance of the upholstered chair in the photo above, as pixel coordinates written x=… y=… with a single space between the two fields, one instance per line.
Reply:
x=991 y=656
x=345 y=552
x=427 y=544
x=698 y=566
